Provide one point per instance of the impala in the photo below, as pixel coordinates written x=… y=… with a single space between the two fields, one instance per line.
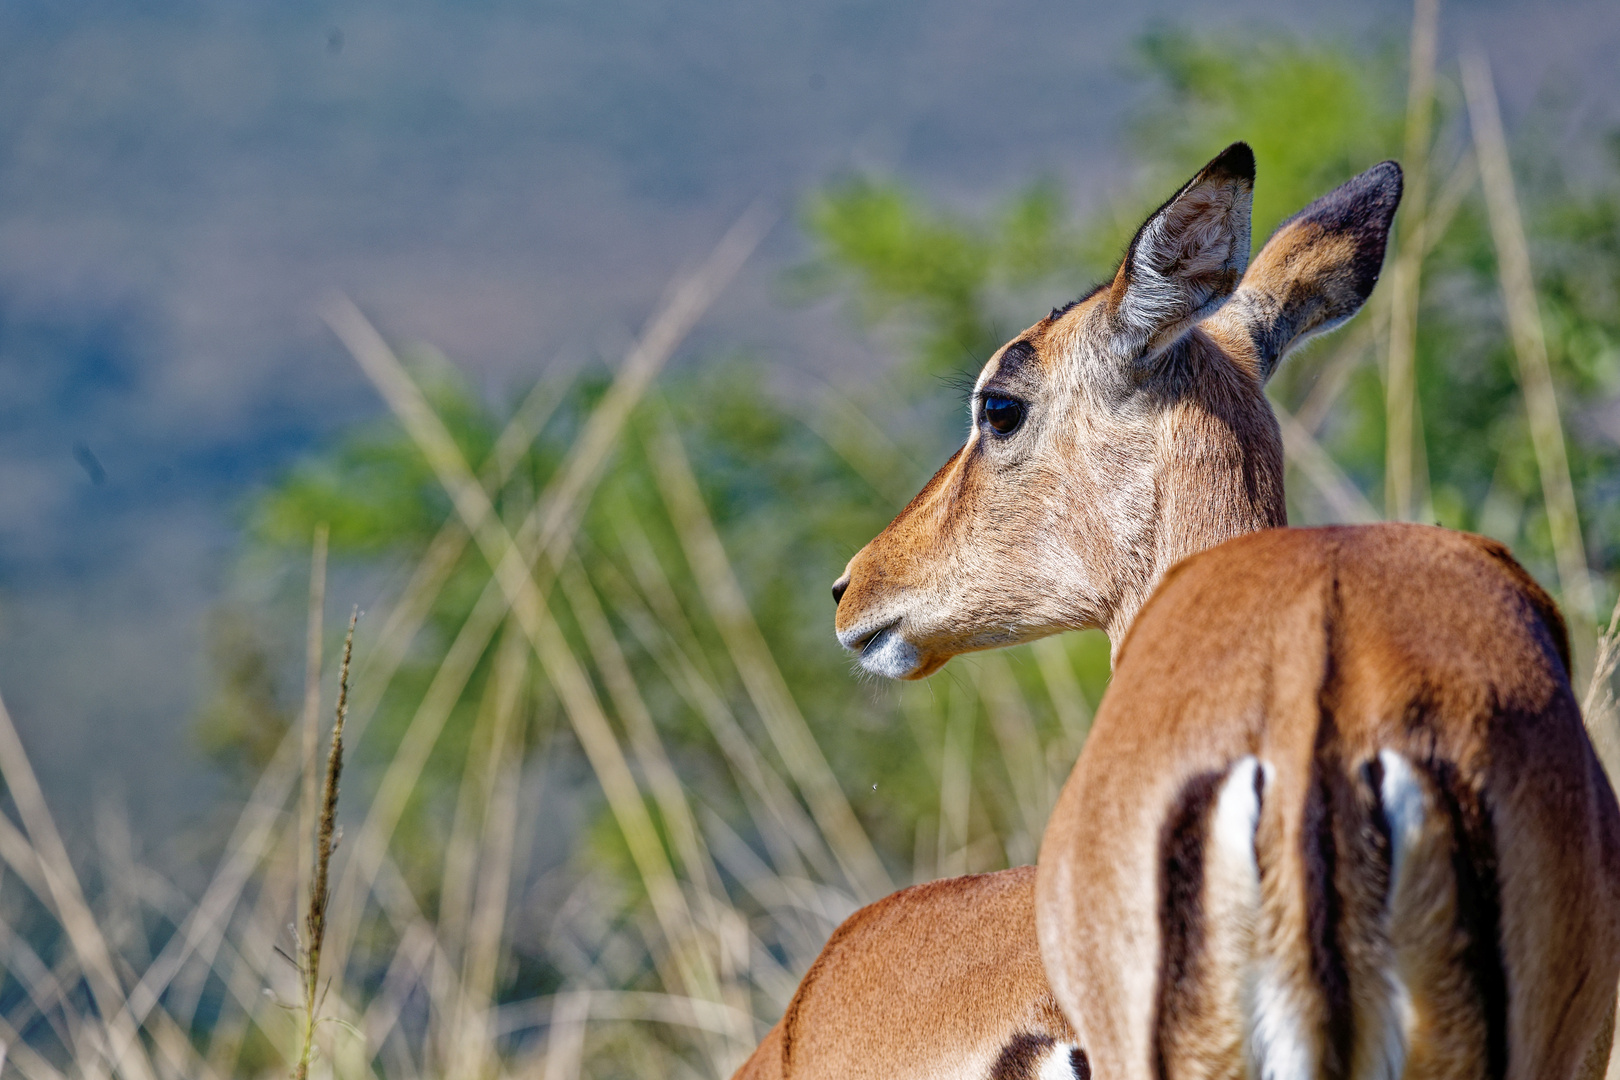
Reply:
x=1337 y=815
x=937 y=981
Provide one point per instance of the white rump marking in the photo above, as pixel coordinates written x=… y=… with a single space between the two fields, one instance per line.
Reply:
x=1281 y=1049
x=1405 y=811
x=1278 y=1042
x=1403 y=800
x=1237 y=815
x=1059 y=1063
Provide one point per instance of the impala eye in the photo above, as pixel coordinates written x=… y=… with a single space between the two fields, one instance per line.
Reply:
x=1003 y=414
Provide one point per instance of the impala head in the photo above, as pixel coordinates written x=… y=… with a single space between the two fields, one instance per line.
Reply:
x=1119 y=434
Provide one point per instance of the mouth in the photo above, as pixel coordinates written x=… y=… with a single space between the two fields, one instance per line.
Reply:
x=884 y=652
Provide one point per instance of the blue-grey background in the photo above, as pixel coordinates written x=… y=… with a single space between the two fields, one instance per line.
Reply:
x=181 y=183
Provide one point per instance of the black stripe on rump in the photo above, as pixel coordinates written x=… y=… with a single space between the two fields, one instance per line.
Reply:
x=1022 y=1056
x=1329 y=803
x=1181 y=913
x=1479 y=904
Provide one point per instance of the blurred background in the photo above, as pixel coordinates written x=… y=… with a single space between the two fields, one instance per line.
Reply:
x=688 y=294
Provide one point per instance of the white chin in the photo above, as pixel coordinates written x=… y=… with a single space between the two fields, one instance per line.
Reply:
x=890 y=655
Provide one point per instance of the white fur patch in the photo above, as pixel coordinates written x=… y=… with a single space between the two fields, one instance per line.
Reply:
x=1058 y=1063
x=1279 y=1044
x=1237 y=815
x=1152 y=299
x=1403 y=800
x=1271 y=1039
x=1281 y=1047
x=1405 y=810
x=890 y=655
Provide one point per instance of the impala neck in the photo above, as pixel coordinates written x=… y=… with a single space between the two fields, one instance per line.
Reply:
x=1219 y=475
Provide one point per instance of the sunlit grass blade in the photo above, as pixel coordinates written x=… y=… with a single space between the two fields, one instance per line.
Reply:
x=490 y=876
x=1400 y=385
x=728 y=607
x=428 y=577
x=1073 y=709
x=1342 y=496
x=68 y=902
x=689 y=299
x=556 y=657
x=654 y=763
x=1530 y=350
x=788 y=832
x=554 y=508
x=1022 y=755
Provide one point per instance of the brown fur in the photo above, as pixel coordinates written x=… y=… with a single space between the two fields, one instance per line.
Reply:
x=940 y=980
x=1151 y=440
x=1147 y=435
x=1305 y=661
x=1314 y=650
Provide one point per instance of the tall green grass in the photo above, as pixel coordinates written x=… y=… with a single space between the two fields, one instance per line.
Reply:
x=673 y=969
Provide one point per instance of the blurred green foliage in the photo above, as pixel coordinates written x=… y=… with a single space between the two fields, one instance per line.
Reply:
x=957 y=286
x=1315 y=115
x=796 y=486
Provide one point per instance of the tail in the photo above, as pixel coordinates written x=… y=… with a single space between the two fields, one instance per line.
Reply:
x=1363 y=949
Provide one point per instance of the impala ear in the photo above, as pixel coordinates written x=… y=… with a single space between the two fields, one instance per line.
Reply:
x=1186 y=259
x=1318 y=268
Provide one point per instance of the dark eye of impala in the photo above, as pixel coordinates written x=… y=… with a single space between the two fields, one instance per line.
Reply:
x=1003 y=414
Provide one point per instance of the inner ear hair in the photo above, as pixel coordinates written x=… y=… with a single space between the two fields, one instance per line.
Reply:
x=1186 y=258
x=1317 y=269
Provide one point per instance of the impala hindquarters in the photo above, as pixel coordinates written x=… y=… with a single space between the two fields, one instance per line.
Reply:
x=1338 y=816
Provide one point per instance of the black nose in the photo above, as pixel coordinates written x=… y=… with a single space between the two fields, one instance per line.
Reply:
x=838 y=589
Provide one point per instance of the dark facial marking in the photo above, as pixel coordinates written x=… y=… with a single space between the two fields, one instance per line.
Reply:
x=1014 y=358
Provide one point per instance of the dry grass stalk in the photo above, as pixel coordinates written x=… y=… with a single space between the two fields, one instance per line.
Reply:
x=1063 y=690
x=408 y=615
x=1530 y=349
x=695 y=968
x=223 y=939
x=1400 y=385
x=325 y=843
x=1598 y=706
x=571 y=485
x=1341 y=494
x=690 y=298
x=202 y=930
x=663 y=631
x=65 y=895
x=956 y=784
x=662 y=778
x=490 y=778
x=309 y=720
x=727 y=605
x=1031 y=787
